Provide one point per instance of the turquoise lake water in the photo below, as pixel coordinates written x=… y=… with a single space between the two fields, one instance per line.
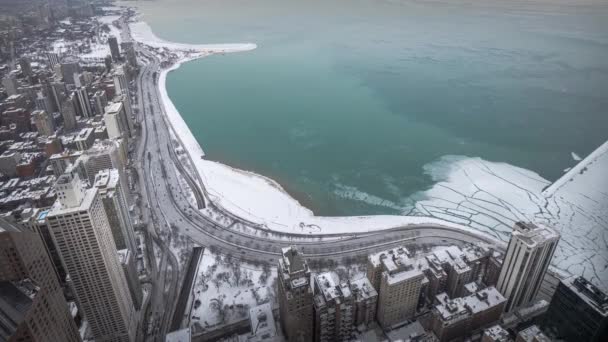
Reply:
x=345 y=102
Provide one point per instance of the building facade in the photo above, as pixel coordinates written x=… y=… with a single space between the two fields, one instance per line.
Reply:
x=32 y=305
x=334 y=309
x=82 y=233
x=578 y=311
x=528 y=256
x=295 y=296
x=458 y=317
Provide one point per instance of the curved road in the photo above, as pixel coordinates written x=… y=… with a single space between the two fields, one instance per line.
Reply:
x=171 y=206
x=165 y=205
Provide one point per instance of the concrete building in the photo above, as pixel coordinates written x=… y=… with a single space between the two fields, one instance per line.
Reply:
x=69 y=67
x=83 y=102
x=399 y=285
x=127 y=118
x=114 y=119
x=44 y=122
x=35 y=220
x=528 y=256
x=81 y=231
x=44 y=103
x=366 y=300
x=578 y=312
x=115 y=204
x=263 y=328
x=533 y=334
x=26 y=66
x=459 y=317
x=121 y=83
x=32 y=305
x=53 y=59
x=114 y=48
x=496 y=333
x=129 y=49
x=10 y=84
x=68 y=112
x=129 y=267
x=19 y=117
x=101 y=101
x=61 y=161
x=8 y=163
x=85 y=139
x=295 y=296
x=58 y=93
x=334 y=309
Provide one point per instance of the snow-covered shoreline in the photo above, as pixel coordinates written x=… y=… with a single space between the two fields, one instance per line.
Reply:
x=253 y=196
x=470 y=194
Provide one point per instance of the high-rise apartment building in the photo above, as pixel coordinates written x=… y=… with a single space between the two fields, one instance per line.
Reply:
x=82 y=233
x=44 y=103
x=400 y=288
x=127 y=118
x=398 y=282
x=68 y=111
x=295 y=296
x=114 y=119
x=101 y=101
x=528 y=256
x=83 y=102
x=366 y=300
x=105 y=154
x=32 y=305
x=578 y=312
x=334 y=309
x=69 y=66
x=129 y=267
x=44 y=122
x=121 y=83
x=114 y=48
x=115 y=204
x=58 y=93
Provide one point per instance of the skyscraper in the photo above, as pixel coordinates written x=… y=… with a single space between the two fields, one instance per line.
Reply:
x=295 y=296
x=82 y=233
x=121 y=83
x=578 y=312
x=115 y=121
x=115 y=204
x=68 y=112
x=32 y=305
x=69 y=67
x=399 y=292
x=84 y=102
x=44 y=103
x=528 y=256
x=114 y=48
x=101 y=101
x=59 y=93
x=44 y=122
